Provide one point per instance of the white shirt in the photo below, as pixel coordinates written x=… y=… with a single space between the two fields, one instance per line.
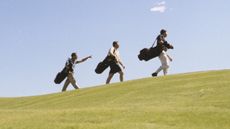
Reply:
x=114 y=52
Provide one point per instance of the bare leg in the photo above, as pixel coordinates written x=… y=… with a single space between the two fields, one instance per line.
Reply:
x=159 y=69
x=109 y=78
x=165 y=69
x=65 y=85
x=164 y=64
x=121 y=76
x=72 y=80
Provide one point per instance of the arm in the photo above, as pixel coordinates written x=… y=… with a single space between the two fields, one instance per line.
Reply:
x=167 y=45
x=121 y=64
x=83 y=60
x=119 y=60
x=169 y=57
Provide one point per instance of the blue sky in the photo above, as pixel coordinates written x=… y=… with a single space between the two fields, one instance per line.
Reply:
x=37 y=36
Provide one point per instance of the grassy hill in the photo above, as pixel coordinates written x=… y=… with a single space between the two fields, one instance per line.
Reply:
x=185 y=101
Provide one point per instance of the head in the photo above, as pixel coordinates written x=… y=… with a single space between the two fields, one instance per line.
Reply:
x=74 y=56
x=164 y=32
x=115 y=44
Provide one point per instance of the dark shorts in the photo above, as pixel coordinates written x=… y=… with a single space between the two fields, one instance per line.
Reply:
x=114 y=68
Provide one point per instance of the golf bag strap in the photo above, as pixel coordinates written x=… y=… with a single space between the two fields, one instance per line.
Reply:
x=154 y=42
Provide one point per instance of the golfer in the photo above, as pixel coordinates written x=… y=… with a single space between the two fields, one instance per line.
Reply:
x=116 y=65
x=70 y=64
x=164 y=57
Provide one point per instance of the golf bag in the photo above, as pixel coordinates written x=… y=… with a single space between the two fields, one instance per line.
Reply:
x=147 y=54
x=61 y=76
x=102 y=66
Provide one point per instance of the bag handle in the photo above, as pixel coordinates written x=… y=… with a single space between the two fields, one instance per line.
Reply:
x=154 y=42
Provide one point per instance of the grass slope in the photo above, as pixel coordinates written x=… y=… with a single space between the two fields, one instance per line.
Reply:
x=185 y=101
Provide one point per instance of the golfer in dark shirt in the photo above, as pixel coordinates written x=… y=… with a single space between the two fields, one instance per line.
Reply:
x=164 y=57
x=70 y=64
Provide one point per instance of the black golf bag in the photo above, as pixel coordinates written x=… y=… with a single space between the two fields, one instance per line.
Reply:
x=102 y=66
x=147 y=54
x=61 y=76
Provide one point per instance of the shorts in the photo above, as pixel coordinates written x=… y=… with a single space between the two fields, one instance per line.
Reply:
x=114 y=68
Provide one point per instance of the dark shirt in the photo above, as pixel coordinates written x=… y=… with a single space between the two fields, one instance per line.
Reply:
x=70 y=64
x=160 y=39
x=161 y=42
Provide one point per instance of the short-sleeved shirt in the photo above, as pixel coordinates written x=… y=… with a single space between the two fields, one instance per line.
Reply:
x=114 y=52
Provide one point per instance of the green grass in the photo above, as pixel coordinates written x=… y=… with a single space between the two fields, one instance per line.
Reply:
x=185 y=101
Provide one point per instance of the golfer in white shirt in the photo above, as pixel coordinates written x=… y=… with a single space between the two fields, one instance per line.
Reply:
x=116 y=66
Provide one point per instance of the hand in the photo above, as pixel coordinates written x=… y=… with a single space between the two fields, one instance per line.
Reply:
x=171 y=59
x=171 y=46
x=123 y=66
x=89 y=57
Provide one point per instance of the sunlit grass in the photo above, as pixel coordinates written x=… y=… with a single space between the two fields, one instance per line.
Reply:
x=184 y=101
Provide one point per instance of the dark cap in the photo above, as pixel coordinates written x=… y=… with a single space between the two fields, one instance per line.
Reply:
x=163 y=31
x=73 y=54
x=115 y=42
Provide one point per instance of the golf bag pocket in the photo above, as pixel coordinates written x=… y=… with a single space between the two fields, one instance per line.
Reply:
x=147 y=54
x=61 y=76
x=101 y=67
